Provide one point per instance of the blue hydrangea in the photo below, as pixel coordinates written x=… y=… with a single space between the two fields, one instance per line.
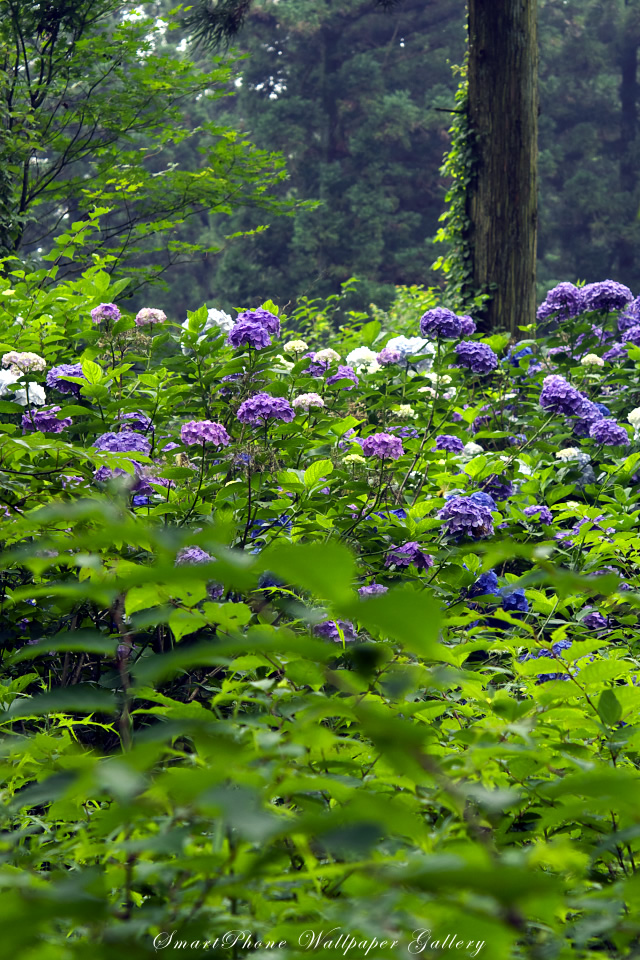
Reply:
x=564 y=301
x=466 y=517
x=440 y=322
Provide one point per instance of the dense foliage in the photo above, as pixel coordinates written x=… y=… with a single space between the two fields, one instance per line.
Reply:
x=309 y=631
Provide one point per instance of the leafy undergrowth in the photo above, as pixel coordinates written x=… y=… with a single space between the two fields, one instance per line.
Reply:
x=279 y=671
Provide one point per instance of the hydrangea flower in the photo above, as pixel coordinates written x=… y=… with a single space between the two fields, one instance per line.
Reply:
x=106 y=311
x=193 y=555
x=306 y=400
x=632 y=335
x=264 y=318
x=498 y=487
x=485 y=585
x=7 y=381
x=605 y=295
x=127 y=441
x=572 y=453
x=372 y=590
x=630 y=316
x=215 y=318
x=617 y=352
x=56 y=378
x=440 y=322
x=354 y=458
x=514 y=600
x=592 y=360
x=204 y=431
x=467 y=326
x=363 y=359
x=327 y=356
x=137 y=421
x=540 y=512
x=472 y=449
x=405 y=412
x=328 y=630
x=262 y=407
x=565 y=301
x=515 y=355
x=295 y=346
x=45 y=421
x=388 y=356
x=595 y=621
x=449 y=443
x=476 y=357
x=382 y=445
x=344 y=373
x=23 y=362
x=466 y=517
x=408 y=554
x=148 y=316
x=609 y=432
x=249 y=333
x=559 y=396
x=481 y=496
x=410 y=346
x=36 y=394
x=634 y=418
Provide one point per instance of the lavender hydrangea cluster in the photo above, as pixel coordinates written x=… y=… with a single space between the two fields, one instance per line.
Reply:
x=497 y=487
x=408 y=554
x=204 y=431
x=467 y=326
x=476 y=357
x=450 y=444
x=262 y=407
x=606 y=295
x=344 y=373
x=328 y=630
x=440 y=322
x=630 y=316
x=608 y=432
x=57 y=378
x=388 y=356
x=383 y=445
x=632 y=334
x=267 y=320
x=372 y=590
x=249 y=333
x=540 y=512
x=563 y=302
x=45 y=421
x=193 y=555
x=105 y=311
x=137 y=421
x=466 y=517
x=485 y=585
x=127 y=441
x=559 y=396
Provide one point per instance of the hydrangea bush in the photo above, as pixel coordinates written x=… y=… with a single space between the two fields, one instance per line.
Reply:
x=308 y=630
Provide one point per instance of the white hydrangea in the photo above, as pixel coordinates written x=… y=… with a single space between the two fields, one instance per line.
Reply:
x=572 y=453
x=7 y=379
x=472 y=449
x=405 y=411
x=288 y=366
x=634 y=418
x=363 y=359
x=408 y=346
x=428 y=390
x=215 y=318
x=295 y=346
x=592 y=360
x=22 y=362
x=442 y=379
x=326 y=356
x=36 y=395
x=354 y=458
x=306 y=400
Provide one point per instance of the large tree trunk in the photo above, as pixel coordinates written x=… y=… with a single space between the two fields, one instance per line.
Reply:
x=503 y=115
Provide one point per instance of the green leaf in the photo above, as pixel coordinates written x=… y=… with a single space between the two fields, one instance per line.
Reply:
x=412 y=617
x=92 y=372
x=609 y=707
x=82 y=698
x=317 y=471
x=326 y=570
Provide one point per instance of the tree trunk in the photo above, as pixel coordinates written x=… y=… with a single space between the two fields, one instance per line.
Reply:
x=503 y=116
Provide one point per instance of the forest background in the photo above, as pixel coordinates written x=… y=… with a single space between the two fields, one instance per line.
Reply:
x=359 y=100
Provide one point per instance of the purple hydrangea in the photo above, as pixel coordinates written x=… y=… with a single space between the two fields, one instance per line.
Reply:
x=632 y=334
x=45 y=420
x=204 y=431
x=440 y=322
x=328 y=630
x=541 y=513
x=514 y=600
x=449 y=443
x=407 y=554
x=268 y=321
x=477 y=357
x=595 y=621
x=481 y=496
x=193 y=555
x=564 y=301
x=608 y=432
x=485 y=585
x=106 y=311
x=139 y=422
x=606 y=295
x=617 y=352
x=467 y=326
x=388 y=356
x=56 y=378
x=464 y=516
x=127 y=441
x=344 y=373
x=148 y=316
x=262 y=407
x=249 y=333
x=383 y=446
x=559 y=396
x=372 y=590
x=317 y=368
x=497 y=487
x=409 y=433
x=629 y=317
